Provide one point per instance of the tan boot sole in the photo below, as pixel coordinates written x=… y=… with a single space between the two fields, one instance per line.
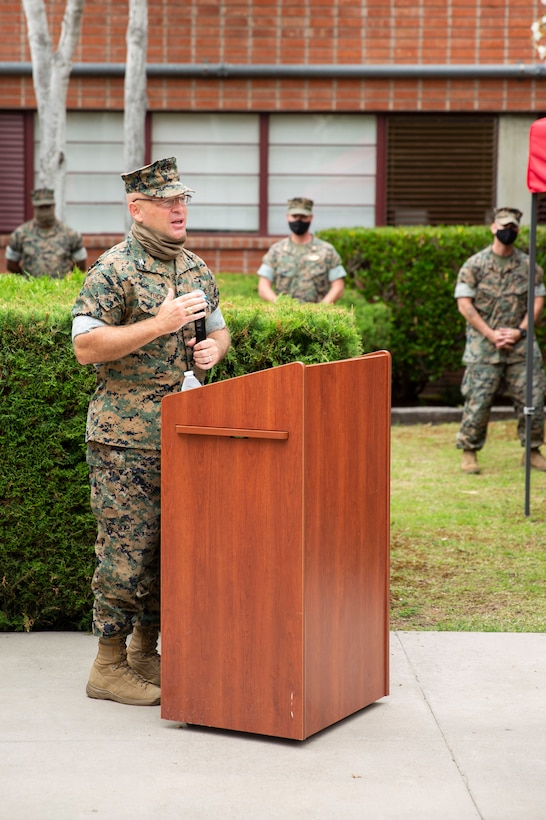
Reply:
x=106 y=694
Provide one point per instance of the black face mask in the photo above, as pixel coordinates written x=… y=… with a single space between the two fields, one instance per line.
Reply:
x=299 y=227
x=44 y=216
x=507 y=236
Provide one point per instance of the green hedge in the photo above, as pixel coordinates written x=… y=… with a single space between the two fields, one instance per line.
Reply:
x=399 y=297
x=47 y=531
x=266 y=335
x=46 y=528
x=413 y=271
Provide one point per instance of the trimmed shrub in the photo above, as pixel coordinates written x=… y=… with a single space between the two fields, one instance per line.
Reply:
x=267 y=335
x=47 y=531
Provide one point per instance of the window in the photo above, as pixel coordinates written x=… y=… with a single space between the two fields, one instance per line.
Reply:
x=218 y=156
x=329 y=158
x=95 y=201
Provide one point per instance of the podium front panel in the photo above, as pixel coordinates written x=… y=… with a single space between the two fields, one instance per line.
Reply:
x=232 y=555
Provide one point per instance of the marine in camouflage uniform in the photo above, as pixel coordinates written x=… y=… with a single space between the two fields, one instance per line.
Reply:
x=498 y=288
x=130 y=284
x=45 y=246
x=301 y=266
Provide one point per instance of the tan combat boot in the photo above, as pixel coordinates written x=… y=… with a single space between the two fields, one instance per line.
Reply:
x=470 y=462
x=142 y=654
x=537 y=460
x=112 y=678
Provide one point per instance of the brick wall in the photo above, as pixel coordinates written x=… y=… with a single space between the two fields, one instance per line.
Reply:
x=301 y=32
x=223 y=254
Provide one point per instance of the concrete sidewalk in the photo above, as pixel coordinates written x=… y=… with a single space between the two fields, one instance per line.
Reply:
x=461 y=736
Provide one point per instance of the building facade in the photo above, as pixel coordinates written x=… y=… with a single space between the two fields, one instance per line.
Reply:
x=393 y=113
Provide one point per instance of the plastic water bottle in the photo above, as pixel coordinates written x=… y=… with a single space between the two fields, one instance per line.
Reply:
x=190 y=381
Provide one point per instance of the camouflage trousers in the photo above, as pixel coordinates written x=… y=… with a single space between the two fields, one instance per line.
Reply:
x=480 y=384
x=125 y=499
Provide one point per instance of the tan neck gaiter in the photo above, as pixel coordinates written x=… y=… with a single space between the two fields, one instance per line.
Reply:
x=157 y=244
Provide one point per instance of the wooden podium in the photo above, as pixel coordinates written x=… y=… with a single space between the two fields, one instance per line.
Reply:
x=275 y=547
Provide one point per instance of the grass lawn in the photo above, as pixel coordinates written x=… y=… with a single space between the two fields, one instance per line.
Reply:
x=463 y=554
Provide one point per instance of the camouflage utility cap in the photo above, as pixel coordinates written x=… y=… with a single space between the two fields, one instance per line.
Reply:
x=507 y=216
x=160 y=179
x=300 y=205
x=43 y=196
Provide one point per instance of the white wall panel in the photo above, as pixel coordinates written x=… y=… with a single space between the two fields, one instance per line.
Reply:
x=232 y=218
x=217 y=155
x=323 y=217
x=325 y=191
x=222 y=129
x=97 y=218
x=95 y=201
x=512 y=161
x=323 y=129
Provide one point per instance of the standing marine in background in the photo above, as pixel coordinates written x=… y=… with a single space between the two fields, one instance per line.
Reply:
x=301 y=265
x=492 y=293
x=44 y=246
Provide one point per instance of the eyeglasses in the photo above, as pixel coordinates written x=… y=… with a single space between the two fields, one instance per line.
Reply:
x=184 y=199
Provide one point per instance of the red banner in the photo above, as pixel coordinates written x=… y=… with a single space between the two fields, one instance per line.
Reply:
x=536 y=169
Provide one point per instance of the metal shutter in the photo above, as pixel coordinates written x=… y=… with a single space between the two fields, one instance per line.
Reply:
x=12 y=170
x=441 y=170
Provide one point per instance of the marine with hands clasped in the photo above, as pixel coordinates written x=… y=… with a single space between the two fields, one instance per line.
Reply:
x=492 y=295
x=134 y=319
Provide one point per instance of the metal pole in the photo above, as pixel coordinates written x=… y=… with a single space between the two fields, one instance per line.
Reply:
x=367 y=71
x=529 y=409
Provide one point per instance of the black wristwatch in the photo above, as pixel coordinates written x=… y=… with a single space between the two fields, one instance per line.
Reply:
x=523 y=332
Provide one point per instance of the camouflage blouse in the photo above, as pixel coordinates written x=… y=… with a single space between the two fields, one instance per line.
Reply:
x=126 y=285
x=499 y=290
x=302 y=271
x=46 y=251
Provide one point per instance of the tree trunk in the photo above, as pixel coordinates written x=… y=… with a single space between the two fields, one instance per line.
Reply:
x=51 y=74
x=135 y=84
x=134 y=123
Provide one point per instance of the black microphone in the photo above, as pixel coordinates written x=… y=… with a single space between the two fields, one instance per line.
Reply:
x=200 y=330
